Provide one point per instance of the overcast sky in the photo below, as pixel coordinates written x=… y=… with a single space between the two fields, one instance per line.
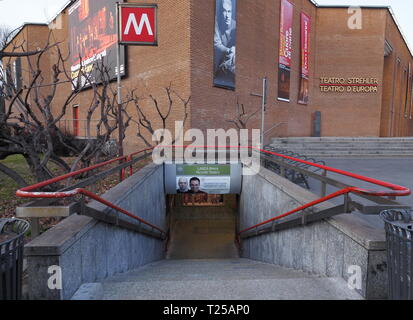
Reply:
x=15 y=12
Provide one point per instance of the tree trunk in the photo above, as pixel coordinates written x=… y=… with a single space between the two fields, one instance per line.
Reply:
x=60 y=162
x=14 y=175
x=39 y=171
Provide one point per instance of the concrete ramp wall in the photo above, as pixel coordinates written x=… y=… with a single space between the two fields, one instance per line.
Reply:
x=334 y=247
x=88 y=250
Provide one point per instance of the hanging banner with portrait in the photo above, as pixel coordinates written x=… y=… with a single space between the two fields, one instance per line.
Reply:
x=93 y=38
x=285 y=53
x=225 y=43
x=305 y=56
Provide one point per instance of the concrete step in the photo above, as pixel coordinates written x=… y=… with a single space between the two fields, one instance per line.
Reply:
x=202 y=233
x=344 y=149
x=226 y=279
x=348 y=150
x=355 y=155
x=343 y=145
x=346 y=146
x=359 y=151
x=320 y=155
x=343 y=139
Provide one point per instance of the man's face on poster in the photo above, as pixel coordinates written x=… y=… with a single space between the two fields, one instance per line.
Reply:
x=194 y=184
x=227 y=12
x=182 y=183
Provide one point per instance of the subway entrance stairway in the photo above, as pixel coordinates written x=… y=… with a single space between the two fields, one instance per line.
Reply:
x=202 y=262
x=270 y=239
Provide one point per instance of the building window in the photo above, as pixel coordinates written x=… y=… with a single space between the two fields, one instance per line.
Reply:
x=8 y=82
x=76 y=120
x=17 y=74
x=388 y=49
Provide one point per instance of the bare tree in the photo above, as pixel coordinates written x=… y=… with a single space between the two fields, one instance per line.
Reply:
x=29 y=121
x=241 y=119
x=5 y=32
x=145 y=124
x=104 y=104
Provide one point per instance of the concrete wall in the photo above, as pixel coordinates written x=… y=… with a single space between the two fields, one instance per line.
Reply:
x=326 y=248
x=88 y=250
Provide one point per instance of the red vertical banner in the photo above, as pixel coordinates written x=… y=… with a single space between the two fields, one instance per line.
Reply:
x=305 y=58
x=286 y=40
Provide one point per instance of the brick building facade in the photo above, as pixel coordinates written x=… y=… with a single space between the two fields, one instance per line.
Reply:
x=341 y=61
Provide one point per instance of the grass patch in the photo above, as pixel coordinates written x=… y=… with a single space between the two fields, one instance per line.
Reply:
x=8 y=188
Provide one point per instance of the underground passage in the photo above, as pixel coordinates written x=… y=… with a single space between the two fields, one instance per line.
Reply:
x=159 y=234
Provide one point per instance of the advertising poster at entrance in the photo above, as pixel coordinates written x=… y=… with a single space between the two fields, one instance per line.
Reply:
x=93 y=38
x=305 y=54
x=284 y=62
x=225 y=43
x=203 y=179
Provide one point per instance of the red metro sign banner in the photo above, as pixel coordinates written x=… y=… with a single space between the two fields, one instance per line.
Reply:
x=138 y=24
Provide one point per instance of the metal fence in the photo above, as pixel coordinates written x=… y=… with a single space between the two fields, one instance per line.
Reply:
x=78 y=127
x=11 y=257
x=399 y=238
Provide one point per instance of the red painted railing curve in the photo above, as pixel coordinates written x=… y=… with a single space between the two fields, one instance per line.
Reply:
x=28 y=192
x=395 y=190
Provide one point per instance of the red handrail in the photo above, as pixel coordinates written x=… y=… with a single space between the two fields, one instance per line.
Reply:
x=396 y=190
x=28 y=192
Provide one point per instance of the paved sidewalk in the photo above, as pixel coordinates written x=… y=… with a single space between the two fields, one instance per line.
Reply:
x=393 y=170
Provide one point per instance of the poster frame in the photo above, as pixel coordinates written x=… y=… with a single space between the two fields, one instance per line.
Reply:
x=214 y=78
x=286 y=22
x=123 y=56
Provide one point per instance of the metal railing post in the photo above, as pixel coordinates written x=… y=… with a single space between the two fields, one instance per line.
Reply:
x=35 y=227
x=324 y=184
x=282 y=171
x=347 y=203
x=82 y=205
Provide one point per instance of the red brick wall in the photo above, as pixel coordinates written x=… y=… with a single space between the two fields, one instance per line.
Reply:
x=393 y=121
x=150 y=70
x=256 y=57
x=31 y=38
x=184 y=57
x=345 y=52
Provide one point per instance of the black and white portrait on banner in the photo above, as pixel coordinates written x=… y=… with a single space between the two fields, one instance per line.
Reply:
x=225 y=43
